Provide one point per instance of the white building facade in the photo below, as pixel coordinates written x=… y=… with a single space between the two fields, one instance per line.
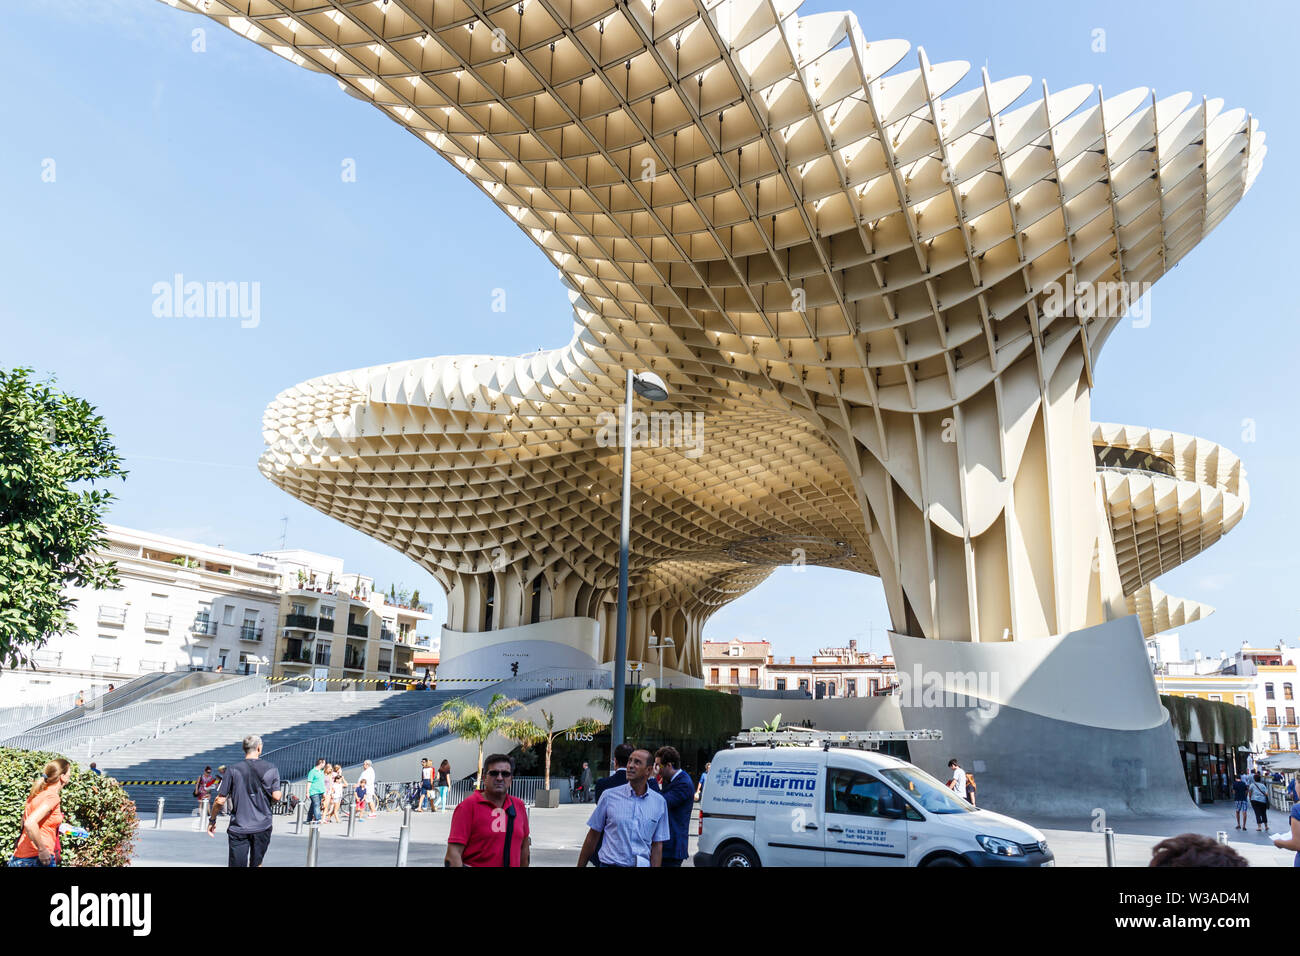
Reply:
x=182 y=606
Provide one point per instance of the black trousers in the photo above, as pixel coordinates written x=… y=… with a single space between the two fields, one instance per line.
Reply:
x=247 y=849
x=1261 y=812
x=667 y=862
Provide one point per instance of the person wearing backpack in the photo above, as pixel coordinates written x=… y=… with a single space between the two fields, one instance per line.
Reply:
x=251 y=786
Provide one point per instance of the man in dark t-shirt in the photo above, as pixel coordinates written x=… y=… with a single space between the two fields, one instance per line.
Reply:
x=1239 y=802
x=251 y=786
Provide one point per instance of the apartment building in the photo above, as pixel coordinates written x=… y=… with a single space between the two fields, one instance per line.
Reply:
x=735 y=666
x=336 y=630
x=1264 y=680
x=181 y=605
x=189 y=606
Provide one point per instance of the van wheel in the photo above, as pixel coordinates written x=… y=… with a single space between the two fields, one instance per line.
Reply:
x=738 y=855
x=943 y=860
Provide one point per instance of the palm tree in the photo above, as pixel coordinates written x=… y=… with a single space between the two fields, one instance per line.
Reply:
x=584 y=725
x=472 y=722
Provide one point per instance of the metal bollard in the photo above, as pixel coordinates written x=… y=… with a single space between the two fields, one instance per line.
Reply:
x=157 y=820
x=403 y=844
x=1110 y=847
x=1221 y=836
x=297 y=823
x=406 y=815
x=313 y=845
x=352 y=815
x=200 y=821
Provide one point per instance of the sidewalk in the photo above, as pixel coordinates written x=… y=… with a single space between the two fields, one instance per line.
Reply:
x=557 y=837
x=558 y=834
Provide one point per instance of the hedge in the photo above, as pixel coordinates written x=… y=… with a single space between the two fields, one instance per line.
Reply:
x=1218 y=721
x=99 y=804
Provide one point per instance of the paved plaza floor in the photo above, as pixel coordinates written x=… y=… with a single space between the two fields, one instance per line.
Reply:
x=558 y=834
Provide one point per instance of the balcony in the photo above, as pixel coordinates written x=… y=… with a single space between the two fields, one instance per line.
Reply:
x=112 y=615
x=158 y=622
x=295 y=657
x=101 y=663
x=250 y=632
x=325 y=624
x=358 y=630
x=386 y=635
x=48 y=658
x=203 y=627
x=354 y=662
x=149 y=667
x=303 y=621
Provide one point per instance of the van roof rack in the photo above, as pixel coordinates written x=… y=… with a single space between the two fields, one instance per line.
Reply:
x=859 y=739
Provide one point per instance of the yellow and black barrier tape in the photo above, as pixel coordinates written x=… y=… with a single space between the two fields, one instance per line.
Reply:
x=409 y=681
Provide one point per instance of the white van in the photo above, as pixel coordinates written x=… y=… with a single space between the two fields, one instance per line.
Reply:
x=808 y=806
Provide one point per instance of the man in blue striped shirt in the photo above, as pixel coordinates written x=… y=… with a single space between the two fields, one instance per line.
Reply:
x=633 y=819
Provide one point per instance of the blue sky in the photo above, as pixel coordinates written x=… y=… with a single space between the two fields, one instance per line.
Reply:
x=226 y=165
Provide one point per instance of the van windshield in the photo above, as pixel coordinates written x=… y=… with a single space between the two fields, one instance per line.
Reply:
x=925 y=790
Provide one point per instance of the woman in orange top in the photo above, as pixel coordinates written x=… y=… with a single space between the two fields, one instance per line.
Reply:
x=39 y=843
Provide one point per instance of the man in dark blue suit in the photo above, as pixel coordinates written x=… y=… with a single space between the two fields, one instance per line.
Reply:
x=619 y=776
x=679 y=792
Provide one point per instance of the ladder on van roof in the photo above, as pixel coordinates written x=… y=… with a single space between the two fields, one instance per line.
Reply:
x=859 y=739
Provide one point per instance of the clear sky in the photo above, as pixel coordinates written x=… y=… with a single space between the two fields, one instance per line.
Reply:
x=226 y=165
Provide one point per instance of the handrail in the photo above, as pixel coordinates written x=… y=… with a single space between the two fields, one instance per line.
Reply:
x=373 y=741
x=146 y=712
x=94 y=747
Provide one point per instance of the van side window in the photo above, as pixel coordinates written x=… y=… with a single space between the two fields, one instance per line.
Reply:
x=860 y=794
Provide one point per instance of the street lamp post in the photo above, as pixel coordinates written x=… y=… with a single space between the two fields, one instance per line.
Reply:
x=652 y=388
x=666 y=642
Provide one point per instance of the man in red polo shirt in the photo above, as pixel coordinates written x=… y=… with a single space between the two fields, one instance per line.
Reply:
x=490 y=827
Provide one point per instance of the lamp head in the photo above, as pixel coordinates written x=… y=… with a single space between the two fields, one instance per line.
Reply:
x=650 y=387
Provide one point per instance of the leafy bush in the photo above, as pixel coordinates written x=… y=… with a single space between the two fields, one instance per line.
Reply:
x=99 y=804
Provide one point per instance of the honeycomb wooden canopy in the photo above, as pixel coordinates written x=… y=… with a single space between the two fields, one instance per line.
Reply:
x=860 y=282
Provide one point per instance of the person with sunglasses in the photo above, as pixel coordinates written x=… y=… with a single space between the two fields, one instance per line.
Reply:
x=490 y=827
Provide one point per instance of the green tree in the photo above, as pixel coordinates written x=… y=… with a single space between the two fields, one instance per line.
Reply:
x=537 y=734
x=52 y=448
x=472 y=722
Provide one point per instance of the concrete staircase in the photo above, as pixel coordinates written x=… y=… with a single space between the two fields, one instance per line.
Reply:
x=280 y=720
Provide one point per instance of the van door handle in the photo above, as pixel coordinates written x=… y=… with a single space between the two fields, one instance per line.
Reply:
x=810 y=826
x=834 y=829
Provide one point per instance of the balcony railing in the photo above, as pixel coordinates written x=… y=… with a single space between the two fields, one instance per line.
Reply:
x=250 y=632
x=148 y=667
x=203 y=627
x=101 y=662
x=325 y=624
x=304 y=621
x=358 y=630
x=111 y=615
x=295 y=657
x=354 y=663
x=157 y=622
x=386 y=635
